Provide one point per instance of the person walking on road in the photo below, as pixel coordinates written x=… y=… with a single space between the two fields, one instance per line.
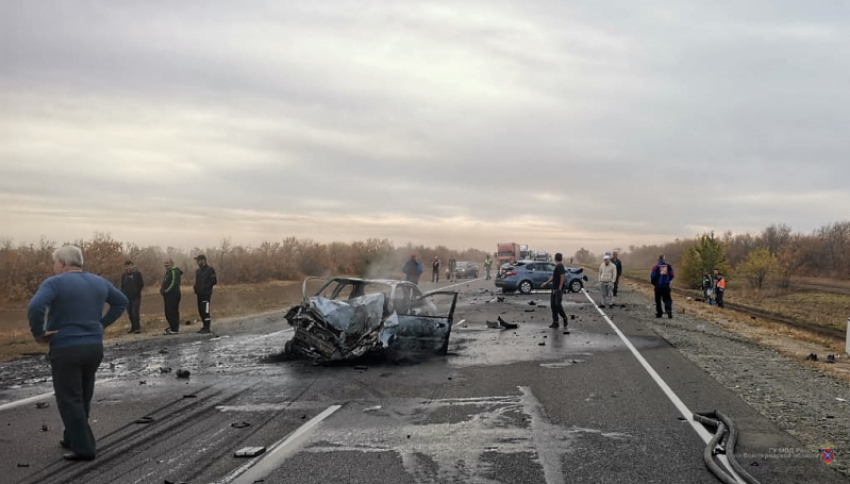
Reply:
x=205 y=279
x=615 y=259
x=556 y=298
x=719 y=287
x=661 y=276
x=132 y=284
x=171 y=295
x=72 y=302
x=607 y=278
x=452 y=268
x=707 y=287
x=435 y=269
x=488 y=265
x=411 y=269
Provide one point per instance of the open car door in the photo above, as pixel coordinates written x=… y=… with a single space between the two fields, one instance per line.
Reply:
x=426 y=324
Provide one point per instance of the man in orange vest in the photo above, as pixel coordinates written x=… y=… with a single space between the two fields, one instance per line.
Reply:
x=719 y=287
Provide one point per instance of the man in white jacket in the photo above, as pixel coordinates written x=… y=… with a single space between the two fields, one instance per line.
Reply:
x=607 y=277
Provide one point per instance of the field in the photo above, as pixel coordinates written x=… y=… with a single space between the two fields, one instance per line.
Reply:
x=817 y=301
x=228 y=302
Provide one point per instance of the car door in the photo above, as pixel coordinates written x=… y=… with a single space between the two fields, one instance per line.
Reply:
x=538 y=277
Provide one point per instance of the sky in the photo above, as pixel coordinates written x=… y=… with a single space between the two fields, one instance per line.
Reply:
x=557 y=124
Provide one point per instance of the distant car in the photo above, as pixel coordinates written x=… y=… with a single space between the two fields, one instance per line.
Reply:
x=526 y=276
x=466 y=269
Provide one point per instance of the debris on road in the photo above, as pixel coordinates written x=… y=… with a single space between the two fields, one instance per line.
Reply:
x=190 y=395
x=812 y=357
x=372 y=409
x=240 y=425
x=249 y=452
x=183 y=373
x=830 y=358
x=348 y=318
x=493 y=324
x=42 y=404
x=44 y=427
x=144 y=420
x=164 y=369
x=505 y=324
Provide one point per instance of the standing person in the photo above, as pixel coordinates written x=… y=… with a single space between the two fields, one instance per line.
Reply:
x=661 y=276
x=452 y=268
x=607 y=278
x=73 y=302
x=615 y=259
x=488 y=265
x=171 y=295
x=435 y=269
x=707 y=287
x=411 y=269
x=205 y=279
x=132 y=284
x=719 y=287
x=556 y=298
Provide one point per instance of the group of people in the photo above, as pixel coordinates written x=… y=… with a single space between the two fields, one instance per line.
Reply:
x=713 y=287
x=412 y=269
x=132 y=283
x=66 y=313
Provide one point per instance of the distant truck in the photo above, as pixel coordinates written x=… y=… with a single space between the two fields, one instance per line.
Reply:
x=507 y=253
x=525 y=253
x=542 y=256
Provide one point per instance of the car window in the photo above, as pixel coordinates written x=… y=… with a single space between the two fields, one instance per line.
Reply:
x=550 y=267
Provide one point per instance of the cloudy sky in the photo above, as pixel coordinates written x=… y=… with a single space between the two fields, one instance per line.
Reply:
x=554 y=123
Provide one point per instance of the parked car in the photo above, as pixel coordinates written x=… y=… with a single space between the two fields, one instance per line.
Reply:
x=526 y=276
x=348 y=317
x=466 y=269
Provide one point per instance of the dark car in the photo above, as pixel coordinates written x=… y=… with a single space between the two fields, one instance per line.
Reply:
x=526 y=276
x=466 y=269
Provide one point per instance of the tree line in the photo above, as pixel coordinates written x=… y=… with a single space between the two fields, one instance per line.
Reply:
x=768 y=258
x=24 y=266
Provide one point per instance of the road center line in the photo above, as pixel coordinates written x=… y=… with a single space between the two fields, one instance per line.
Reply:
x=260 y=467
x=679 y=404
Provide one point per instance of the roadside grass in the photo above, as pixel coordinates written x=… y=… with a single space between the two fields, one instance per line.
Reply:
x=229 y=301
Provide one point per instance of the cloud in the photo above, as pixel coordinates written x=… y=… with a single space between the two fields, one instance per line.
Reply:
x=557 y=124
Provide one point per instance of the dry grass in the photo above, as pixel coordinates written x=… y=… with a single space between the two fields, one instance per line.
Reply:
x=228 y=302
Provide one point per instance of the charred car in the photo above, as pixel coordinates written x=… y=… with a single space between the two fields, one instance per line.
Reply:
x=346 y=318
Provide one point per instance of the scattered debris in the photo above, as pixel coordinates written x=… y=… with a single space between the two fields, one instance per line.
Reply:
x=752 y=317
x=163 y=351
x=505 y=324
x=144 y=420
x=249 y=452
x=841 y=400
x=372 y=409
x=493 y=324
x=532 y=303
x=500 y=298
x=21 y=464
x=830 y=358
x=44 y=427
x=42 y=404
x=542 y=343
x=188 y=322
x=190 y=395
x=183 y=373
x=143 y=382
x=165 y=369
x=240 y=425
x=812 y=357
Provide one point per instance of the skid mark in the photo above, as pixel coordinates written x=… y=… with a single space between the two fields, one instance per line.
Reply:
x=456 y=440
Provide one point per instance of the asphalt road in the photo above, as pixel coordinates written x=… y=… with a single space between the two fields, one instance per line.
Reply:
x=532 y=405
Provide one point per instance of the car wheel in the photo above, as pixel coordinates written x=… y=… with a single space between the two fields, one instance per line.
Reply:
x=525 y=287
x=576 y=285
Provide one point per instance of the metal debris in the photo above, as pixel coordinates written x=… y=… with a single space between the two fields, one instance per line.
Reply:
x=249 y=452
x=183 y=373
x=42 y=404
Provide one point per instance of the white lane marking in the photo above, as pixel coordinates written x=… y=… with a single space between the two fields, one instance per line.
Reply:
x=18 y=403
x=680 y=405
x=462 y=283
x=259 y=467
x=275 y=333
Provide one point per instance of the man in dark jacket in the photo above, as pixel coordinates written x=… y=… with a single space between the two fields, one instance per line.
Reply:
x=205 y=279
x=412 y=269
x=661 y=277
x=132 y=284
x=615 y=259
x=171 y=295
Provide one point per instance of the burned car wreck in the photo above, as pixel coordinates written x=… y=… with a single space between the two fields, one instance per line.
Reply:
x=347 y=318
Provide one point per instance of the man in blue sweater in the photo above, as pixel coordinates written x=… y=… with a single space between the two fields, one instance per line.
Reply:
x=72 y=301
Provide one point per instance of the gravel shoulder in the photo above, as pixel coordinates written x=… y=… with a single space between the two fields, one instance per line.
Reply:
x=763 y=367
